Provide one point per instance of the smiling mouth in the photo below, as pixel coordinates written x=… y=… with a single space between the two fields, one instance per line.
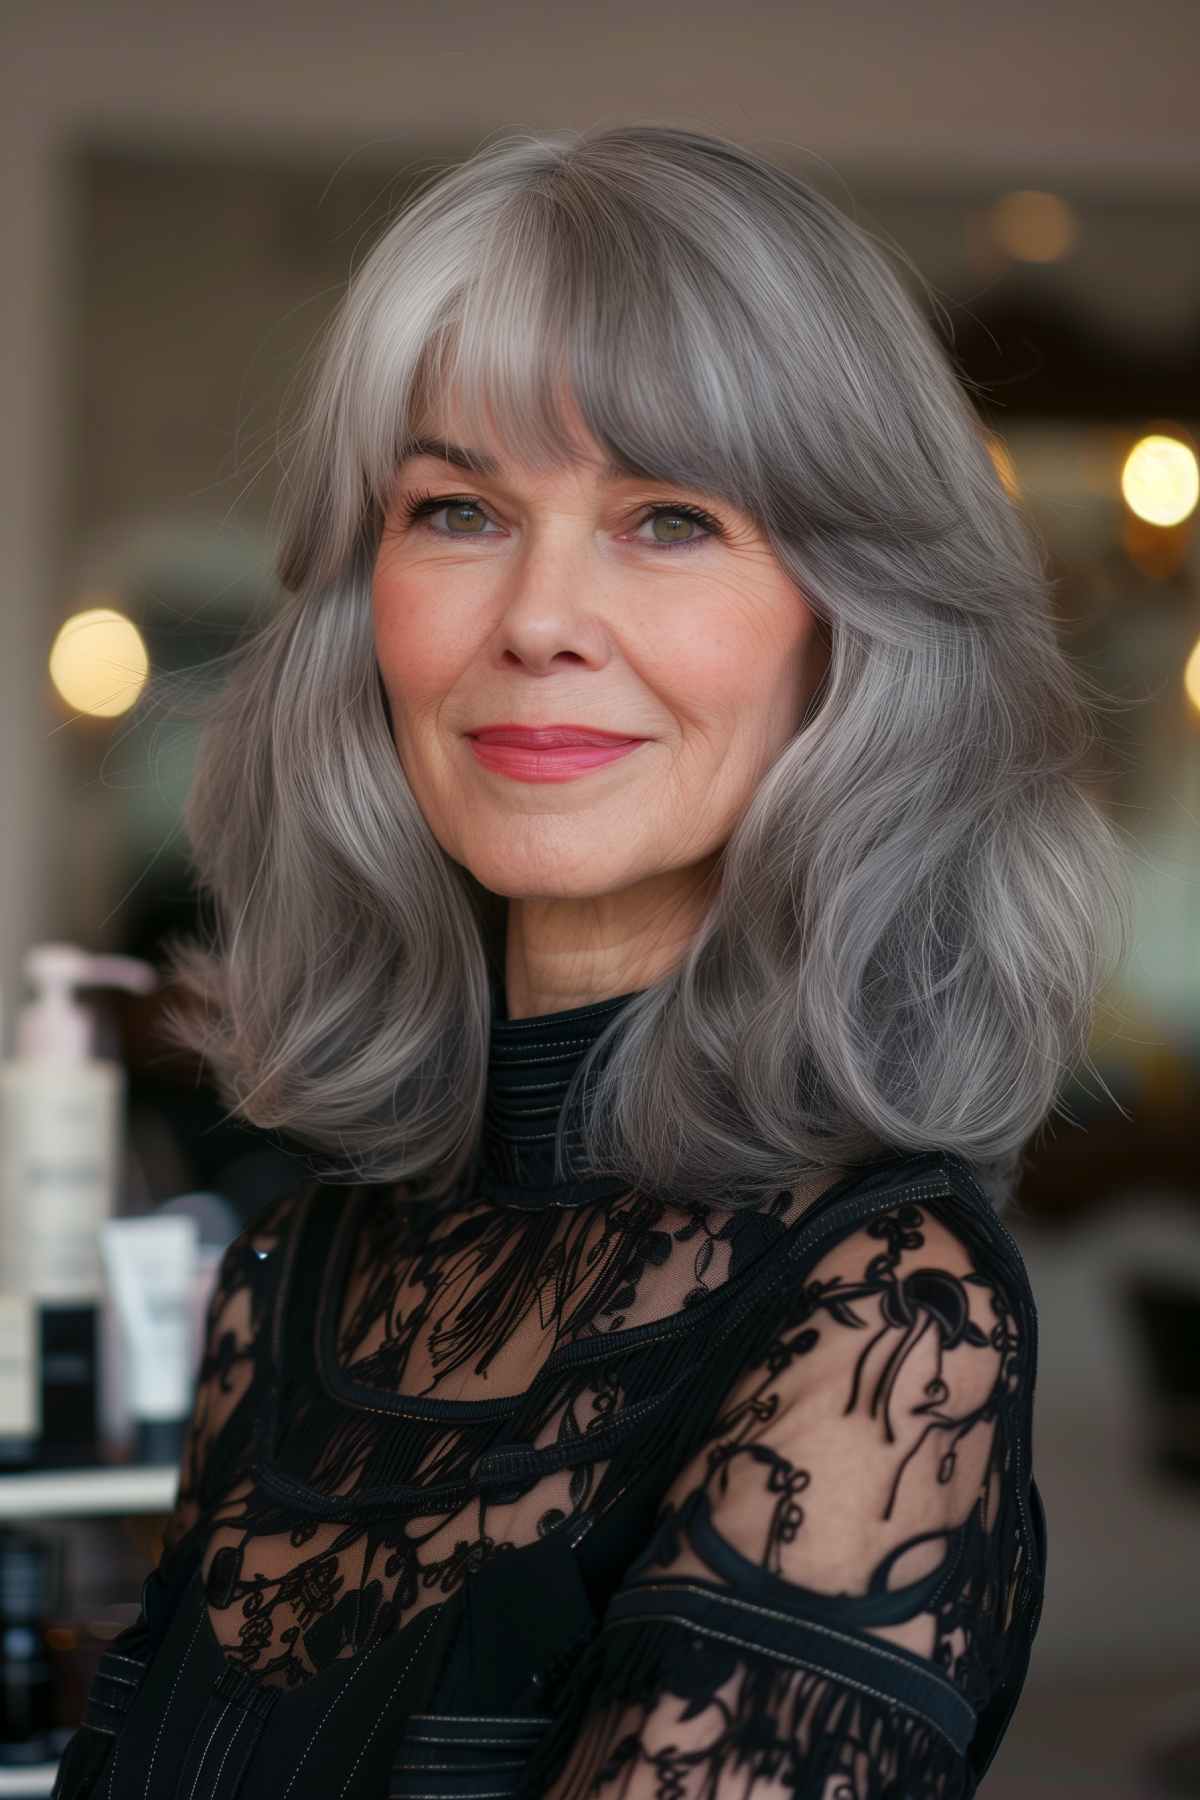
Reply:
x=558 y=762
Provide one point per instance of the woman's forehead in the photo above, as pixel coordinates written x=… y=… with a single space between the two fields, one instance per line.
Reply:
x=471 y=432
x=475 y=460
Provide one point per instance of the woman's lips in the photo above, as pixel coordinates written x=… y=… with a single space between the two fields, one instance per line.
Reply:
x=562 y=763
x=551 y=737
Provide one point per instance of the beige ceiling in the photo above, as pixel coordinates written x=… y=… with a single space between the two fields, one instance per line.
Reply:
x=1094 y=89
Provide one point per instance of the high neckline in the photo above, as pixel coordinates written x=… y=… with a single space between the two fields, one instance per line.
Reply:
x=530 y=1065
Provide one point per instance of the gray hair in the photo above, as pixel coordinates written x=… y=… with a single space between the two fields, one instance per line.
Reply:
x=920 y=905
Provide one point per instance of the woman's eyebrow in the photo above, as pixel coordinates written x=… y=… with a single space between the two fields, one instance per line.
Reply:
x=479 y=462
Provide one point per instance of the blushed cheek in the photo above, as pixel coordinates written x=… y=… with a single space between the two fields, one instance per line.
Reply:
x=406 y=652
x=422 y=652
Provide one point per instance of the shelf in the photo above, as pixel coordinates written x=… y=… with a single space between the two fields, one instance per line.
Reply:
x=25 y=1784
x=86 y=1494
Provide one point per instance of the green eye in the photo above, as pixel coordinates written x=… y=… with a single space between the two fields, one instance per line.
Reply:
x=677 y=516
x=676 y=522
x=420 y=508
x=465 y=506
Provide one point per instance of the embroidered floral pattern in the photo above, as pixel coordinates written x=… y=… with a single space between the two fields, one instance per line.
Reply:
x=848 y=1442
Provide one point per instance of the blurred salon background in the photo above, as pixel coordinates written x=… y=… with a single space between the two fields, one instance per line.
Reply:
x=184 y=190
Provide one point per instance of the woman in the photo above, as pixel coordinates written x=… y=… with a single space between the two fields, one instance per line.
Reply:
x=666 y=912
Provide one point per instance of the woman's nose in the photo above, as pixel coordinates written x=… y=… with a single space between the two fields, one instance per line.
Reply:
x=556 y=567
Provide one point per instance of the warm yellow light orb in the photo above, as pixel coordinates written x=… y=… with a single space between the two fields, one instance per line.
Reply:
x=1161 y=480
x=99 y=663
x=1033 y=226
x=1191 y=678
x=1003 y=464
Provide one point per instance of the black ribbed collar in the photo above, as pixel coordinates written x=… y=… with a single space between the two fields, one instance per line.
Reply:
x=530 y=1064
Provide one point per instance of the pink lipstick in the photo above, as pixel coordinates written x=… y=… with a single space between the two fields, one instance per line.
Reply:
x=547 y=752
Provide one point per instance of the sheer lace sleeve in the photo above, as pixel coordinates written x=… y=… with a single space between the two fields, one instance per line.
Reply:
x=839 y=1585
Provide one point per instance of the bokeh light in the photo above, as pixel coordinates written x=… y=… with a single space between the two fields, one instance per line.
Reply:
x=1161 y=480
x=1002 y=461
x=98 y=662
x=1033 y=226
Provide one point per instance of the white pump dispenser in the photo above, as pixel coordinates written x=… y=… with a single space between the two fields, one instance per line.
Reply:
x=60 y=1128
x=53 y=1023
x=61 y=1115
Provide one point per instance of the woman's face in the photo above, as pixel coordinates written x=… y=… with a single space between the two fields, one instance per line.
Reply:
x=562 y=598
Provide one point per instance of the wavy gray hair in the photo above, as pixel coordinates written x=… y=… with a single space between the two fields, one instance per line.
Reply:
x=916 y=913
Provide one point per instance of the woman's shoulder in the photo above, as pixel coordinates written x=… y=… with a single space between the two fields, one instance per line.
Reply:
x=914 y=1246
x=936 y=1191
x=249 y=1270
x=238 y=1317
x=274 y=1226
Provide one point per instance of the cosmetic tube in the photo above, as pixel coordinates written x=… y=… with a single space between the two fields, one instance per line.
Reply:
x=150 y=1263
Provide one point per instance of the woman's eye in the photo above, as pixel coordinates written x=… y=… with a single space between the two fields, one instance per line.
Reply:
x=683 y=527
x=465 y=513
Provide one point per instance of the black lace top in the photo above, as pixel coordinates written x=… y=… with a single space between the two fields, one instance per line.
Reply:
x=561 y=1490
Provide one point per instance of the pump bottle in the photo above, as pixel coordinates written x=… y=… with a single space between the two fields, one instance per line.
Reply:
x=61 y=1116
